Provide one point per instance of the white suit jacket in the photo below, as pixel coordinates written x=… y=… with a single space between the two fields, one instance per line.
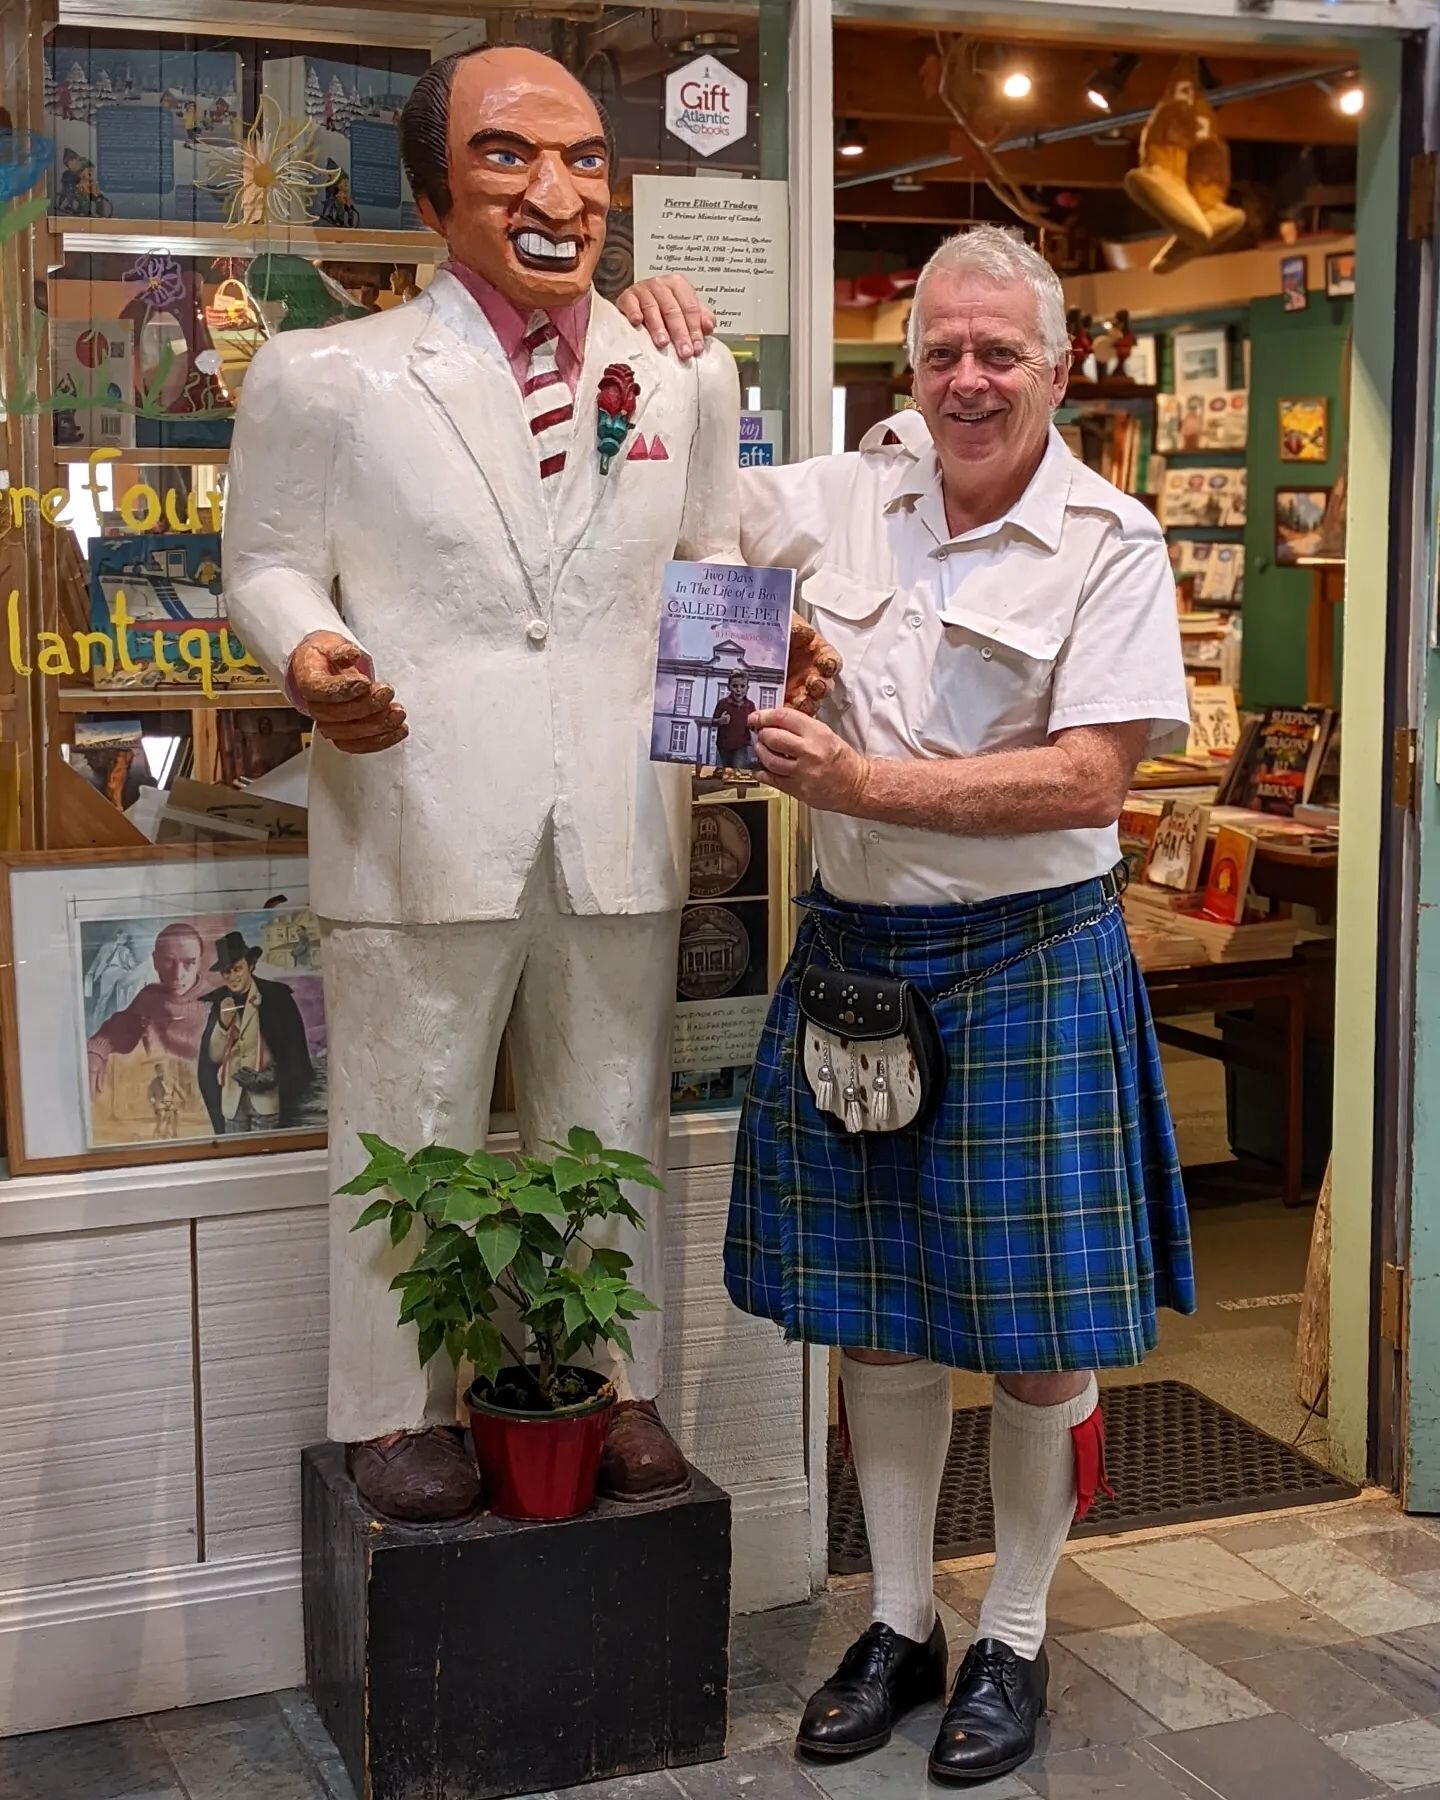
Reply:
x=384 y=484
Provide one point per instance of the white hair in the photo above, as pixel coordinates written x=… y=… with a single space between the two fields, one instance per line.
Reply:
x=998 y=255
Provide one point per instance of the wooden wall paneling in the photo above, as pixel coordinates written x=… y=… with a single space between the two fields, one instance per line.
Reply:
x=97 y=1406
x=262 y=1282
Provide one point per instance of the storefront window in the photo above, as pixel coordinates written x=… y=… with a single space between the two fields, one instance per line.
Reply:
x=170 y=201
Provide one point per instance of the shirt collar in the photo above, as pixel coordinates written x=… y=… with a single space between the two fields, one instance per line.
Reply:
x=510 y=322
x=1039 y=512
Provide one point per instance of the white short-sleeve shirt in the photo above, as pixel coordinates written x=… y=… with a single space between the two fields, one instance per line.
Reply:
x=1060 y=614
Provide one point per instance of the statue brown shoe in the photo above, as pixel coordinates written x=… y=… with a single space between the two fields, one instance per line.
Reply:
x=417 y=1477
x=640 y=1461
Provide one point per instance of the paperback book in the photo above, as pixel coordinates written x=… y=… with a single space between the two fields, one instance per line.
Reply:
x=724 y=642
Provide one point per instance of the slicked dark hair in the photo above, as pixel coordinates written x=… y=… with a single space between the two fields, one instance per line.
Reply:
x=425 y=125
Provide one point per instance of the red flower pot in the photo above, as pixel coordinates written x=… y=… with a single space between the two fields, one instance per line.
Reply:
x=540 y=1465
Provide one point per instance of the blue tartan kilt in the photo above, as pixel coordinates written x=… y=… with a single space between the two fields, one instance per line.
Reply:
x=1037 y=1220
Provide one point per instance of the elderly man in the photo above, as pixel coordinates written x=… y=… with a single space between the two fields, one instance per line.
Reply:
x=975 y=1170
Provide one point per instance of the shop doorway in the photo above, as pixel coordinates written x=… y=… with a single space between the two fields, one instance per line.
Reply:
x=1242 y=390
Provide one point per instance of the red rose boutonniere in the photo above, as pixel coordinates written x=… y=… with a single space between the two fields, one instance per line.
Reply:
x=619 y=392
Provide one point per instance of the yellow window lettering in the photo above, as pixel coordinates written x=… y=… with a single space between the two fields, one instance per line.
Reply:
x=53 y=504
x=90 y=645
x=244 y=661
x=141 y=493
x=197 y=652
x=162 y=661
x=12 y=619
x=191 y=521
x=18 y=497
x=53 y=657
x=120 y=616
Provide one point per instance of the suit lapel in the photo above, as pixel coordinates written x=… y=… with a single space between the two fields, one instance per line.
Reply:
x=608 y=340
x=458 y=359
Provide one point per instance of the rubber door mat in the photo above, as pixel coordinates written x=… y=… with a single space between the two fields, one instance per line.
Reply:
x=1174 y=1455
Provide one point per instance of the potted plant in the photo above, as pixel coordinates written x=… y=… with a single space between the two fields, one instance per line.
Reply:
x=504 y=1236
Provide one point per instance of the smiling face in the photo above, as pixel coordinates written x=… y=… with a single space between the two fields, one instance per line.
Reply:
x=984 y=381
x=529 y=177
x=239 y=977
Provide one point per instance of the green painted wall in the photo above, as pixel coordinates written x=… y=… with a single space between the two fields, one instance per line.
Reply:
x=1293 y=356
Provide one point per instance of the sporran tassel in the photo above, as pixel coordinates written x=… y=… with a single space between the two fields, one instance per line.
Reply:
x=825 y=1081
x=880 y=1099
x=854 y=1119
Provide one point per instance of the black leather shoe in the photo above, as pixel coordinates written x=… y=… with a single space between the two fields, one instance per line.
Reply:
x=989 y=1726
x=881 y=1677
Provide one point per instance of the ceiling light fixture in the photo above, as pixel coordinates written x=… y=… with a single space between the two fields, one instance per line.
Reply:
x=851 y=140
x=1016 y=84
x=1105 y=86
x=1351 y=99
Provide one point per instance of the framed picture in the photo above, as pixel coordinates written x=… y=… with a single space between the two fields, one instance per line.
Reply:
x=1202 y=361
x=1340 y=274
x=160 y=1003
x=1295 y=282
x=1304 y=430
x=1142 y=365
x=1299 y=517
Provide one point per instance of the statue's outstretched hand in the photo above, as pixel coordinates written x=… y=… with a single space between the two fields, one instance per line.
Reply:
x=813 y=666
x=354 y=712
x=668 y=307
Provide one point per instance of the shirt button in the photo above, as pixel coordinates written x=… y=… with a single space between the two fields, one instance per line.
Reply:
x=874 y=836
x=888 y=690
x=914 y=621
x=537 y=631
x=986 y=652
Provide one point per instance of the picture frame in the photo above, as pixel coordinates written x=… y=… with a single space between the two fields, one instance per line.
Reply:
x=1299 y=518
x=113 y=992
x=1339 y=274
x=1295 y=282
x=1304 y=430
x=1202 y=361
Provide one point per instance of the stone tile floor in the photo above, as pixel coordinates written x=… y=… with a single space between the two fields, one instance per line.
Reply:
x=1294 y=1658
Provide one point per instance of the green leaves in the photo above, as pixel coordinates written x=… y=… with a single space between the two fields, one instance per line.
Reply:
x=511 y=1230
x=497 y=1242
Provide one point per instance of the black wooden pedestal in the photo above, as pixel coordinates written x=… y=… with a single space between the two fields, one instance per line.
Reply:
x=467 y=1662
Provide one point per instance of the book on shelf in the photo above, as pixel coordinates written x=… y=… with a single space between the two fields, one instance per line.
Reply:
x=1214 y=720
x=1322 y=774
x=1269 y=769
x=1232 y=862
x=1265 y=940
x=1178 y=851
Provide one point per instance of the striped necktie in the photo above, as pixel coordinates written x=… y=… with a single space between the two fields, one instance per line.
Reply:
x=547 y=401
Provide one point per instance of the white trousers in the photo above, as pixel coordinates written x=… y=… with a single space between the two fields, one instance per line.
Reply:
x=414 y=1016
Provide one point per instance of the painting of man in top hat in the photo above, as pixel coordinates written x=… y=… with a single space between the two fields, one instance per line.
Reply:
x=255 y=1070
x=227 y=1038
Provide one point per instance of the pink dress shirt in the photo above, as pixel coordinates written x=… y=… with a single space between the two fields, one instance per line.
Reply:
x=509 y=323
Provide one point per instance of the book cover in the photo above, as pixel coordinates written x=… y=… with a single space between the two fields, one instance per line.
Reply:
x=136 y=128
x=347 y=102
x=93 y=376
x=1214 y=721
x=1280 y=759
x=724 y=643
x=1322 y=777
x=1179 y=847
x=1228 y=884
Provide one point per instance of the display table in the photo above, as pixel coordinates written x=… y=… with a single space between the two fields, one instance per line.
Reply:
x=1210 y=987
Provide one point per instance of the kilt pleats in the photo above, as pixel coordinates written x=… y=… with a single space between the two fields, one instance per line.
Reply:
x=1037 y=1220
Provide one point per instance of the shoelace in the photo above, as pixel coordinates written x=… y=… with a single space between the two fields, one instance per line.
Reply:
x=869 y=1657
x=996 y=1666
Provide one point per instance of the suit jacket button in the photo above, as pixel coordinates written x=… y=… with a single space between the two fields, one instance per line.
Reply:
x=537 y=631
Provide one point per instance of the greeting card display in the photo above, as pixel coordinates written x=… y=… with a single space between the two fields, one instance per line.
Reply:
x=1195 y=421
x=1203 y=497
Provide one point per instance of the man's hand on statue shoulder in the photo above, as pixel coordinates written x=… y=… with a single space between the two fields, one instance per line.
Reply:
x=668 y=307
x=805 y=758
x=353 y=711
x=813 y=666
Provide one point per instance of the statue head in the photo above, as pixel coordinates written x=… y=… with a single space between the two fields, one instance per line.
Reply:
x=510 y=160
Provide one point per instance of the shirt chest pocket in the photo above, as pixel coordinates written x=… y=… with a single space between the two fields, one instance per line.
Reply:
x=990 y=688
x=845 y=612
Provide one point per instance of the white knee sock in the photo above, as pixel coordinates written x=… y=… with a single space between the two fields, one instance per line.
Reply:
x=1032 y=1483
x=899 y=1417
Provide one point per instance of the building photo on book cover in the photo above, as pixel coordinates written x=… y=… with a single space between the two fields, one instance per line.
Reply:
x=724 y=639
